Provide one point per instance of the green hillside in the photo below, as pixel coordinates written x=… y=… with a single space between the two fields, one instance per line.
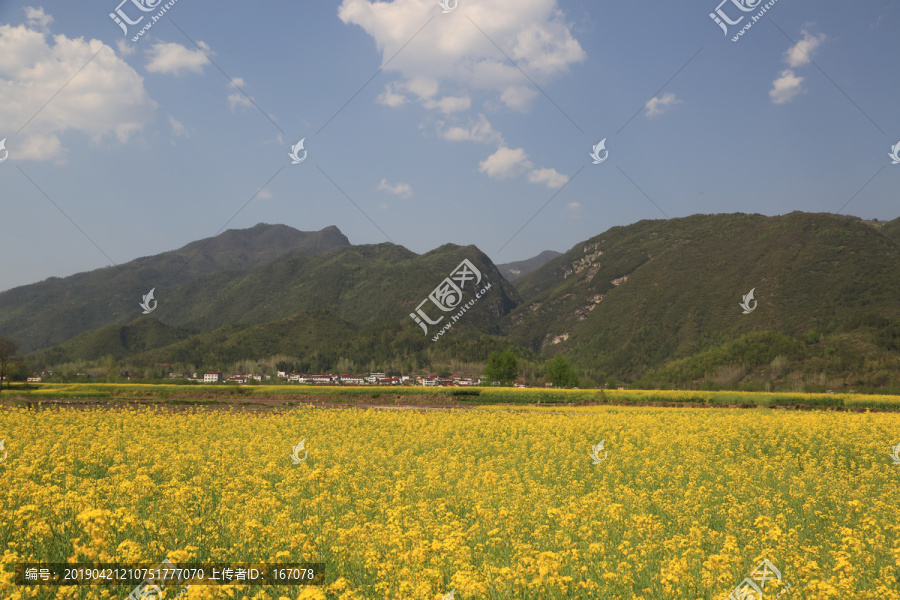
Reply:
x=318 y=341
x=678 y=285
x=361 y=296
x=58 y=309
x=368 y=284
x=298 y=335
x=864 y=355
x=118 y=341
x=891 y=230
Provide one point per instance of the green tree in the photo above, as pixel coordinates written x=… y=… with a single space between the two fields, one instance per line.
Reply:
x=7 y=356
x=501 y=366
x=560 y=373
x=111 y=367
x=17 y=370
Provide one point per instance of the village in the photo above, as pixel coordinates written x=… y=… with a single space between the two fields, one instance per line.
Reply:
x=318 y=379
x=344 y=380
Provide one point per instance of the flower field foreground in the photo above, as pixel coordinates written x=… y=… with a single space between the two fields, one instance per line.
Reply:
x=495 y=504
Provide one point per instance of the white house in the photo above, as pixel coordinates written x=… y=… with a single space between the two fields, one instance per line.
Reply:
x=212 y=377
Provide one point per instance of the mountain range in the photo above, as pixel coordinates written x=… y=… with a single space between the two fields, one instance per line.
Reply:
x=655 y=303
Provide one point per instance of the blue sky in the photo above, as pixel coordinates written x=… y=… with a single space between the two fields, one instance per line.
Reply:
x=151 y=146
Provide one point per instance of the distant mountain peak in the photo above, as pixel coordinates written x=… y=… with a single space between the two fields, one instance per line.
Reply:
x=514 y=270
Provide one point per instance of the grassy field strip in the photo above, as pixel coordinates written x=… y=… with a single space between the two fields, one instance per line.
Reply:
x=164 y=392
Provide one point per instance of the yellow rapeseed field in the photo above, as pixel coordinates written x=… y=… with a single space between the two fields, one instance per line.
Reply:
x=494 y=504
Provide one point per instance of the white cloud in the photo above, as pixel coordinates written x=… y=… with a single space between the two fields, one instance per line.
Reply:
x=238 y=99
x=552 y=178
x=505 y=163
x=41 y=147
x=460 y=64
x=456 y=53
x=789 y=84
x=518 y=97
x=36 y=16
x=125 y=49
x=178 y=129
x=478 y=131
x=106 y=97
x=175 y=59
x=391 y=98
x=785 y=87
x=263 y=194
x=801 y=53
x=450 y=104
x=660 y=104
x=401 y=189
x=423 y=87
x=574 y=208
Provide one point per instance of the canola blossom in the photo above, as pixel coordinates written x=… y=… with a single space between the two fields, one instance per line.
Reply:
x=494 y=504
